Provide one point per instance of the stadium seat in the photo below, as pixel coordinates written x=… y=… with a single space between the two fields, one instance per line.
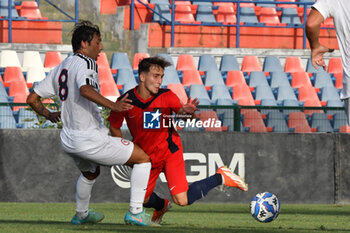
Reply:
x=183 y=13
x=226 y=15
x=278 y=79
x=334 y=103
x=235 y=78
x=277 y=121
x=159 y=2
x=219 y=91
x=300 y=79
x=123 y=76
x=221 y=102
x=285 y=93
x=179 y=90
x=9 y=58
x=13 y=74
x=212 y=77
x=339 y=119
x=321 y=122
x=207 y=62
x=291 y=103
x=268 y=15
x=19 y=91
x=166 y=57
x=246 y=5
x=287 y=5
x=308 y=1
x=253 y=120
x=272 y=64
x=229 y=62
x=3 y=93
x=329 y=22
x=170 y=76
x=31 y=59
x=266 y=4
x=4 y=9
x=162 y=15
x=329 y=93
x=27 y=119
x=344 y=129
x=120 y=61
x=290 y=16
x=102 y=60
x=30 y=10
x=293 y=64
x=190 y=77
x=251 y=63
x=264 y=92
x=185 y=62
x=247 y=15
x=52 y=59
x=257 y=78
x=35 y=74
x=137 y=58
x=205 y=14
x=201 y=3
x=309 y=96
x=7 y=122
x=109 y=90
x=199 y=91
x=243 y=96
x=323 y=79
x=335 y=66
x=298 y=121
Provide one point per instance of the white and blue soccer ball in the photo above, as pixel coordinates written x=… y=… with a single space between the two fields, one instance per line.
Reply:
x=265 y=207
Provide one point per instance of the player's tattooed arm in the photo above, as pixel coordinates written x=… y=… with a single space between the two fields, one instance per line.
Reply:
x=34 y=101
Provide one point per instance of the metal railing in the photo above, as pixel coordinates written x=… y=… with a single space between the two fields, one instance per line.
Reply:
x=174 y=23
x=10 y=18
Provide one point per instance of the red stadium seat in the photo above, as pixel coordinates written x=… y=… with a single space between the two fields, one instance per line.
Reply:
x=293 y=64
x=191 y=77
x=269 y=15
x=251 y=63
x=298 y=121
x=109 y=90
x=242 y=94
x=183 y=13
x=105 y=75
x=300 y=79
x=287 y=5
x=254 y=120
x=235 y=78
x=212 y=117
x=309 y=96
x=52 y=59
x=179 y=90
x=137 y=58
x=185 y=62
x=102 y=60
x=30 y=10
x=329 y=22
x=335 y=66
x=13 y=74
x=226 y=14
x=344 y=129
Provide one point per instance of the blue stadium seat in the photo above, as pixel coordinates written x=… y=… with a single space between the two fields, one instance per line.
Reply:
x=277 y=121
x=329 y=93
x=170 y=76
x=7 y=120
x=4 y=4
x=257 y=78
x=290 y=103
x=229 y=62
x=266 y=4
x=268 y=102
x=311 y=69
x=161 y=14
x=247 y=15
x=220 y=91
x=290 y=16
x=212 y=77
x=264 y=92
x=334 y=103
x=3 y=91
x=202 y=3
x=166 y=57
x=323 y=79
x=199 y=91
x=339 y=119
x=207 y=62
x=272 y=64
x=301 y=5
x=285 y=93
x=321 y=122
x=125 y=76
x=279 y=79
x=27 y=119
x=226 y=101
x=120 y=61
x=205 y=14
x=164 y=2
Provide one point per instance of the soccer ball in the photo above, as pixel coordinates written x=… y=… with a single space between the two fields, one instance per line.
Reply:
x=265 y=207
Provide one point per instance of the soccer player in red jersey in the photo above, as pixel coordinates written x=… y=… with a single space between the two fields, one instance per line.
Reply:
x=148 y=124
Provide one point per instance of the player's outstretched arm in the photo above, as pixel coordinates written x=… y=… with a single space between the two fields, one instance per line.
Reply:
x=313 y=25
x=34 y=101
x=190 y=107
x=89 y=92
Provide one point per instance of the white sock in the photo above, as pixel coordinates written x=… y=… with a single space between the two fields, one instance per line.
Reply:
x=138 y=181
x=83 y=194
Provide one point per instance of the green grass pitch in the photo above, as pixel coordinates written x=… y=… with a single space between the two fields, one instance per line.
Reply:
x=200 y=217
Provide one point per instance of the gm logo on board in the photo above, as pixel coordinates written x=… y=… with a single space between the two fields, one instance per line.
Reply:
x=151 y=120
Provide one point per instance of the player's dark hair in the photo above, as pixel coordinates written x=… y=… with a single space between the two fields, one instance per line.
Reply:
x=146 y=63
x=83 y=31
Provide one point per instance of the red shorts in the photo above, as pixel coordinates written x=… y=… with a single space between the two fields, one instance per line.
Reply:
x=174 y=171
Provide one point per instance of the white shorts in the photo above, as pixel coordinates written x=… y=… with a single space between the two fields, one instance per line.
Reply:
x=94 y=148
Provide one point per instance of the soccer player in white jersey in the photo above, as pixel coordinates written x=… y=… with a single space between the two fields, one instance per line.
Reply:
x=84 y=137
